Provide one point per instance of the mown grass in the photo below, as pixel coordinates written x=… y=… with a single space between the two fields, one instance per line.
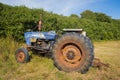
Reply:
x=42 y=68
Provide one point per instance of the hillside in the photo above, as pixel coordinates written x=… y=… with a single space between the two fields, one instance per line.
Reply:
x=16 y=20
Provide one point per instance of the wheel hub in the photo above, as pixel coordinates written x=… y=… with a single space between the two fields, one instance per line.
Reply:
x=71 y=54
x=20 y=56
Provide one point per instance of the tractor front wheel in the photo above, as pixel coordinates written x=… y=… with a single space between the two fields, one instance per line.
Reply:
x=22 y=55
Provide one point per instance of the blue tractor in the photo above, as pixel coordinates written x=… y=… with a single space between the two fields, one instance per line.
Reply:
x=71 y=51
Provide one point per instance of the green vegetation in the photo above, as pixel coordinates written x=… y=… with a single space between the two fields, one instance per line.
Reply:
x=16 y=20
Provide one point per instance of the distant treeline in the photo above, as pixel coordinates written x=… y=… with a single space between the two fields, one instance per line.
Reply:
x=14 y=21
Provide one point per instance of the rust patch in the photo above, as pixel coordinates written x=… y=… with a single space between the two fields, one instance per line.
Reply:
x=98 y=64
x=20 y=56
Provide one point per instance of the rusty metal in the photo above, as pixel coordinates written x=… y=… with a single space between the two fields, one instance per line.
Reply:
x=20 y=56
x=98 y=64
x=71 y=54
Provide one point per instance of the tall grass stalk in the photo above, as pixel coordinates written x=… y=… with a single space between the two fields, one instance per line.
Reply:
x=7 y=60
x=7 y=48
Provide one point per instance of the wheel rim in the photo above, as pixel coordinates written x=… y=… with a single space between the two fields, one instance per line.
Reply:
x=71 y=54
x=20 y=56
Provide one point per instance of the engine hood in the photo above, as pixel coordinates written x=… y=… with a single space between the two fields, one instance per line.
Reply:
x=41 y=35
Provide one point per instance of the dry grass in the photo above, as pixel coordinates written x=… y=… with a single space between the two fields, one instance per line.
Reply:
x=42 y=68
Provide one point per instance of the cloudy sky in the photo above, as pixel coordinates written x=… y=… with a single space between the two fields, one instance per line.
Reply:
x=68 y=7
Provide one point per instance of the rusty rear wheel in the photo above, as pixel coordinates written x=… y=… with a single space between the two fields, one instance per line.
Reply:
x=22 y=55
x=73 y=52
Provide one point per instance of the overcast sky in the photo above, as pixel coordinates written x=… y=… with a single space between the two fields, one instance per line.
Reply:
x=68 y=7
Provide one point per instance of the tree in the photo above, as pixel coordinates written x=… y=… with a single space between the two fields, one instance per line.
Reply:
x=102 y=17
x=88 y=15
x=16 y=20
x=74 y=15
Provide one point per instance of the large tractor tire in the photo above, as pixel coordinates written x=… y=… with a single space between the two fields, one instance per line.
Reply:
x=73 y=52
x=22 y=55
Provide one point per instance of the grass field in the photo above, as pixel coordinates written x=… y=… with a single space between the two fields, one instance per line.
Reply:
x=42 y=68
